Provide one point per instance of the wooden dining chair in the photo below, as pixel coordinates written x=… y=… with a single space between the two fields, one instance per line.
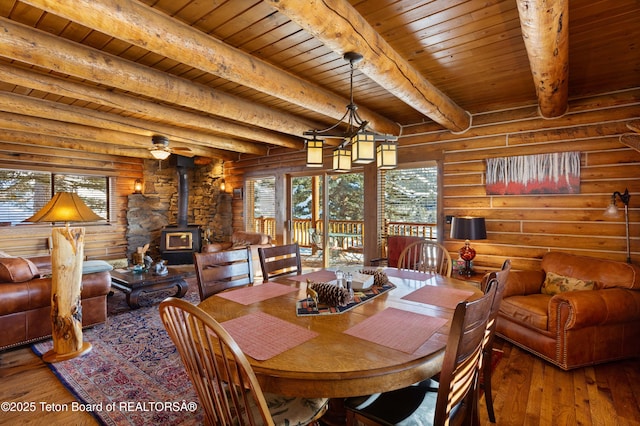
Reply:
x=222 y=270
x=454 y=400
x=394 y=245
x=280 y=260
x=500 y=280
x=426 y=256
x=223 y=379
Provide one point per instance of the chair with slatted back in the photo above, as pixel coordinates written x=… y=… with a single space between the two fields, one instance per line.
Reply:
x=280 y=260
x=426 y=256
x=456 y=397
x=223 y=379
x=394 y=244
x=500 y=278
x=222 y=270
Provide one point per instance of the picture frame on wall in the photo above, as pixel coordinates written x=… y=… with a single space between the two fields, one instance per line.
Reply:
x=554 y=173
x=237 y=193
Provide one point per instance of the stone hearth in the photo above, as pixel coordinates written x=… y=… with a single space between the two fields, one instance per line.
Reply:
x=157 y=206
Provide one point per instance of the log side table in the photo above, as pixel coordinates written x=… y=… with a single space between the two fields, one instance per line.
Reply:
x=132 y=284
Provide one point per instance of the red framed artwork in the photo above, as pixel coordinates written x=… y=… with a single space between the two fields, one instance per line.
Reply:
x=555 y=173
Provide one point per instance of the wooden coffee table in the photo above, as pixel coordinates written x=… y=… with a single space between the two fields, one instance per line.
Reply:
x=132 y=284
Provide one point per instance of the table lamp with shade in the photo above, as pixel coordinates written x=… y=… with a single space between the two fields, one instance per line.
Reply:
x=66 y=281
x=468 y=228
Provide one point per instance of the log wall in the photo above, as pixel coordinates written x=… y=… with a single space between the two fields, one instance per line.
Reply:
x=521 y=227
x=524 y=227
x=102 y=241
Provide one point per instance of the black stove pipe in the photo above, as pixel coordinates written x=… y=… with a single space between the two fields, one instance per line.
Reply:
x=183 y=197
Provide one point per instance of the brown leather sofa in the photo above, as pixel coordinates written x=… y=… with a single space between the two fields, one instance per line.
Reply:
x=574 y=328
x=242 y=239
x=25 y=298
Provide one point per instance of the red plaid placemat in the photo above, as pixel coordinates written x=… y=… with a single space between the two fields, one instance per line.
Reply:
x=263 y=336
x=321 y=276
x=258 y=293
x=445 y=297
x=406 y=274
x=397 y=329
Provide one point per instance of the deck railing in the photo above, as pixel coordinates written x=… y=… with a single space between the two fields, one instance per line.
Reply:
x=343 y=234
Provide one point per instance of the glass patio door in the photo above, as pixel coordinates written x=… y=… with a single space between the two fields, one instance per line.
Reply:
x=345 y=227
x=335 y=239
x=307 y=224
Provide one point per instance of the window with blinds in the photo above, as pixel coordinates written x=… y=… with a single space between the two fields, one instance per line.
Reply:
x=23 y=193
x=261 y=205
x=408 y=201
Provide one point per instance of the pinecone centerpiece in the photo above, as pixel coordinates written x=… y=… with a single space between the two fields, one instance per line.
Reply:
x=330 y=294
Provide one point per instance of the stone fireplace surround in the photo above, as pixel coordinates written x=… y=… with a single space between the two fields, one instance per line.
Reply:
x=148 y=213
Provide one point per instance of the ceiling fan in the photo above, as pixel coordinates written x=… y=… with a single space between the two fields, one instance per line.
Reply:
x=160 y=149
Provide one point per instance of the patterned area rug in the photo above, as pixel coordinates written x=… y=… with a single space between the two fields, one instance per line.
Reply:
x=133 y=375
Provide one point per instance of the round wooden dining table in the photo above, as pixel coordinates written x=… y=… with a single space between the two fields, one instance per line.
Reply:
x=334 y=364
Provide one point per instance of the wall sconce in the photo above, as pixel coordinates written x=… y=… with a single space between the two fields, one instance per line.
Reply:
x=137 y=187
x=223 y=185
x=468 y=228
x=612 y=210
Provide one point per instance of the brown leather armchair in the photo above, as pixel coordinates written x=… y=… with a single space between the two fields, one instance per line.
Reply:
x=574 y=328
x=25 y=298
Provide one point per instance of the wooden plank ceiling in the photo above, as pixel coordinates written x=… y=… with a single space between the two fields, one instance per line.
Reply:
x=224 y=79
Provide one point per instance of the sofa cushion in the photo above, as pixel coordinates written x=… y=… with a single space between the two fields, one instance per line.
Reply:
x=531 y=310
x=93 y=266
x=17 y=270
x=556 y=283
x=607 y=273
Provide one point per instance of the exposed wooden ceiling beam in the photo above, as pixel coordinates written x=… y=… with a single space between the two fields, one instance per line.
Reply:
x=139 y=24
x=19 y=104
x=36 y=47
x=339 y=26
x=30 y=124
x=19 y=76
x=24 y=138
x=545 y=28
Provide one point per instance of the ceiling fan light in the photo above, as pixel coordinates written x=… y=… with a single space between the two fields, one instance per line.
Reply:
x=314 y=153
x=160 y=154
x=387 y=155
x=341 y=160
x=363 y=148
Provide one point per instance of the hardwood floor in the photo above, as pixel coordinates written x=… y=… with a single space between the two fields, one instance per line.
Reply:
x=527 y=391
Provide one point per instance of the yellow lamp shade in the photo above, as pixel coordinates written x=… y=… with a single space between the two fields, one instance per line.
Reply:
x=387 y=155
x=363 y=148
x=341 y=160
x=314 y=153
x=65 y=207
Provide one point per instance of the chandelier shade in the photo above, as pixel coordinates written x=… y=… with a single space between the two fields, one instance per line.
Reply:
x=387 y=155
x=341 y=160
x=358 y=137
x=314 y=152
x=363 y=148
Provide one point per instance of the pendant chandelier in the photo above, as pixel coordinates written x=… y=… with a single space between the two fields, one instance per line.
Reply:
x=360 y=144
